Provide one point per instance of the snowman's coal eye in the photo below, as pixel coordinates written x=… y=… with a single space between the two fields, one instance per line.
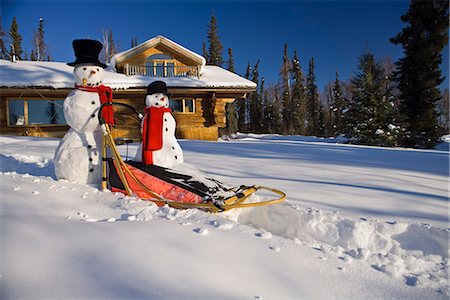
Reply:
x=98 y=70
x=84 y=69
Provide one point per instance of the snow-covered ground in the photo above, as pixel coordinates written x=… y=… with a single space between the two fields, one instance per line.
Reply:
x=360 y=222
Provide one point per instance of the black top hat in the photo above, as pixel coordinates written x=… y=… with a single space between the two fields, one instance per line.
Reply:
x=157 y=87
x=86 y=52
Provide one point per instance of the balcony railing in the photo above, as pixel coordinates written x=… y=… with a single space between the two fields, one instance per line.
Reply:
x=162 y=71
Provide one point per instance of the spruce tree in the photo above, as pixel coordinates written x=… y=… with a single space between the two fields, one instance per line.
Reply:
x=134 y=42
x=339 y=106
x=243 y=107
x=255 y=103
x=312 y=102
x=215 y=46
x=3 y=51
x=230 y=61
x=231 y=108
x=444 y=109
x=418 y=72
x=272 y=118
x=298 y=96
x=205 y=52
x=16 y=40
x=372 y=110
x=286 y=99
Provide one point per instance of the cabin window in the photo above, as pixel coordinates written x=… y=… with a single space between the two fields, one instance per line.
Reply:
x=182 y=105
x=16 y=112
x=25 y=112
x=160 y=65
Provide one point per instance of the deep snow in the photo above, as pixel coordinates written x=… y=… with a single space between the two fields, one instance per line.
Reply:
x=360 y=222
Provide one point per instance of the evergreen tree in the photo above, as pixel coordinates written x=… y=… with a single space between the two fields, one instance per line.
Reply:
x=286 y=99
x=243 y=107
x=3 y=51
x=215 y=46
x=328 y=115
x=40 y=47
x=231 y=109
x=298 y=96
x=312 y=102
x=255 y=103
x=339 y=106
x=33 y=56
x=418 y=73
x=205 y=52
x=134 y=42
x=272 y=119
x=444 y=109
x=372 y=109
x=322 y=119
x=16 y=40
x=230 y=62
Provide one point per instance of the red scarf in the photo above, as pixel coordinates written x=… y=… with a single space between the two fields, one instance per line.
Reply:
x=152 y=129
x=105 y=94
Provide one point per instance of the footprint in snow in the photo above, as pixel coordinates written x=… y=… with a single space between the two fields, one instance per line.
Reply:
x=201 y=230
x=220 y=225
x=16 y=188
x=275 y=248
x=264 y=235
x=35 y=192
x=83 y=215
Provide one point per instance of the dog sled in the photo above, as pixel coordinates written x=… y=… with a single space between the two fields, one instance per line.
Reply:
x=177 y=188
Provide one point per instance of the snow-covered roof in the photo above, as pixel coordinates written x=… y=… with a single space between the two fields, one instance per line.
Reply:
x=153 y=42
x=59 y=75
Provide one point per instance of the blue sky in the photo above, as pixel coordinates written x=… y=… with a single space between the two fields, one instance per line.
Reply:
x=335 y=33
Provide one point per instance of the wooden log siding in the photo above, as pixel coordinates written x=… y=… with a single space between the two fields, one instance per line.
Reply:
x=165 y=71
x=203 y=123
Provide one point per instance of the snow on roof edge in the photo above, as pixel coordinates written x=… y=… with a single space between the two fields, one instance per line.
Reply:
x=59 y=75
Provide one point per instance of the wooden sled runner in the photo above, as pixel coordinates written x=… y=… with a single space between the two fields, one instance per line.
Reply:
x=172 y=187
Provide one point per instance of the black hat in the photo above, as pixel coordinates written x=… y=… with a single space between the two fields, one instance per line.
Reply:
x=86 y=52
x=157 y=87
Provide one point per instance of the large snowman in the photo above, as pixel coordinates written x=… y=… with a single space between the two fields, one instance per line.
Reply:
x=78 y=155
x=159 y=144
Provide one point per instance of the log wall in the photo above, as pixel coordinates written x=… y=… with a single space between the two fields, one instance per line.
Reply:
x=203 y=124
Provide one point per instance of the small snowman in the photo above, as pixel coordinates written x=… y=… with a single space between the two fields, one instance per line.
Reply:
x=159 y=144
x=78 y=155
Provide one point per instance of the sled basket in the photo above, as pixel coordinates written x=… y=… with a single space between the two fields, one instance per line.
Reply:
x=168 y=186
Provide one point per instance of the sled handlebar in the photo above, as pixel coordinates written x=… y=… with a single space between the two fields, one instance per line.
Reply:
x=102 y=121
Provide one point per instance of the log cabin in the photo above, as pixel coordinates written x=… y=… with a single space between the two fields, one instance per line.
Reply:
x=32 y=93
